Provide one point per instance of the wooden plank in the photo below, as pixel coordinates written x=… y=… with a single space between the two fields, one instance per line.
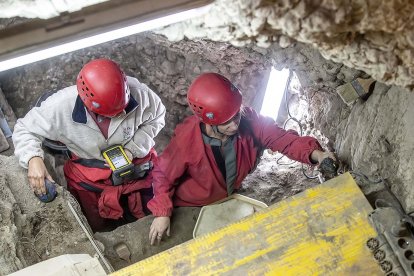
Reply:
x=321 y=231
x=91 y=20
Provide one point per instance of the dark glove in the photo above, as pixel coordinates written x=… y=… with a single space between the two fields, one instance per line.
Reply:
x=328 y=168
x=50 y=192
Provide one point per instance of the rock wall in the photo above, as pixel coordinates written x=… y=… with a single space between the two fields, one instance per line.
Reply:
x=377 y=139
x=11 y=257
x=318 y=78
x=166 y=68
x=32 y=231
x=319 y=40
x=169 y=67
x=374 y=36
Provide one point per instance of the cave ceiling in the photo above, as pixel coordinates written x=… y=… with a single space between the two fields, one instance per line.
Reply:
x=376 y=37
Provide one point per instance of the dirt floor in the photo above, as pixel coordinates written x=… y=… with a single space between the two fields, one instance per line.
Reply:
x=269 y=183
x=274 y=181
x=33 y=231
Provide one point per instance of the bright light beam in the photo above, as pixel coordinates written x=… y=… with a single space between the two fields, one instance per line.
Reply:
x=101 y=38
x=274 y=92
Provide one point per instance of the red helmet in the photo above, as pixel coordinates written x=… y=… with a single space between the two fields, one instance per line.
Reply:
x=214 y=99
x=103 y=88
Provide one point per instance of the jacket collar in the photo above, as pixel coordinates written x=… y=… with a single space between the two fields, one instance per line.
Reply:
x=79 y=110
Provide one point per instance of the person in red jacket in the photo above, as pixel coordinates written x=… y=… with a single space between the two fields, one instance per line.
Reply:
x=212 y=151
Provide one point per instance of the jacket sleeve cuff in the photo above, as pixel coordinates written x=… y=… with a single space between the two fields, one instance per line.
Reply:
x=137 y=151
x=162 y=213
x=160 y=206
x=314 y=145
x=24 y=161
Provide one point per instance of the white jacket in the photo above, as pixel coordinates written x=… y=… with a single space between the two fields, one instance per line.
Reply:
x=63 y=117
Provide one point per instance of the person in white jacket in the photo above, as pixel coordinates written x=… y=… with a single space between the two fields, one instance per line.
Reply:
x=104 y=108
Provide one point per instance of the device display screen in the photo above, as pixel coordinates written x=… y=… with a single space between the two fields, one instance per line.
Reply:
x=119 y=161
x=117 y=158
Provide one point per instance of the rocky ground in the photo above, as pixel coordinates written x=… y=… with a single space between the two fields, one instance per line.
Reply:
x=33 y=231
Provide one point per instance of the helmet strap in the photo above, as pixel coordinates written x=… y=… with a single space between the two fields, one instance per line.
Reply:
x=217 y=131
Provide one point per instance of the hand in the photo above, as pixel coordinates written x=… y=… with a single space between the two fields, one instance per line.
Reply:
x=327 y=164
x=36 y=174
x=128 y=154
x=318 y=156
x=158 y=227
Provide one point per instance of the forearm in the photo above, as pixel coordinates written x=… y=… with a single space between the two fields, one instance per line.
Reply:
x=287 y=142
x=140 y=145
x=165 y=175
x=27 y=145
x=161 y=204
x=143 y=139
x=39 y=123
x=301 y=148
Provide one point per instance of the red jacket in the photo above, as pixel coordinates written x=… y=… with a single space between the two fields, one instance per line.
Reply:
x=187 y=173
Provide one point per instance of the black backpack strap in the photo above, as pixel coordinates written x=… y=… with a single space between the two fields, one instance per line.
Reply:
x=219 y=160
x=90 y=188
x=91 y=163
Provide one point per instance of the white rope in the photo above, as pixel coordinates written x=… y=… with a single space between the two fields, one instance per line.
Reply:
x=108 y=265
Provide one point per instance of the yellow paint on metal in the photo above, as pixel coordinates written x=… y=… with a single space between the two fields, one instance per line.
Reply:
x=321 y=231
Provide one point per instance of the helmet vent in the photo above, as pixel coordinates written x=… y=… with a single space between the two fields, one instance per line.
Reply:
x=197 y=109
x=91 y=94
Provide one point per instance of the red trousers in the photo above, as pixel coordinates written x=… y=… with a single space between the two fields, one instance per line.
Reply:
x=106 y=206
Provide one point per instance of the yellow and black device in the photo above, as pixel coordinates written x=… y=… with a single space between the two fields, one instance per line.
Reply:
x=119 y=163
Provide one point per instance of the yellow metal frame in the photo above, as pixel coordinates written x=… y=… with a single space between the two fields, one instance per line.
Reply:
x=321 y=231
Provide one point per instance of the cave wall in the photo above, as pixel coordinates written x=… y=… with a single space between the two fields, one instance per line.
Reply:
x=166 y=68
x=32 y=231
x=318 y=78
x=319 y=40
x=378 y=139
x=376 y=37
x=169 y=67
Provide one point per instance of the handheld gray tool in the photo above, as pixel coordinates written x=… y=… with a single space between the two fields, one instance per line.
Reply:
x=50 y=192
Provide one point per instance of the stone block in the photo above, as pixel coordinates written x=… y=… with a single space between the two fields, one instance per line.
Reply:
x=6 y=111
x=4 y=145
